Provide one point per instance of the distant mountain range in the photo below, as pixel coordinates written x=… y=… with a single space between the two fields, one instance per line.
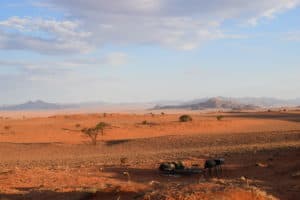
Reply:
x=231 y=103
x=36 y=105
x=197 y=104
x=212 y=103
x=42 y=105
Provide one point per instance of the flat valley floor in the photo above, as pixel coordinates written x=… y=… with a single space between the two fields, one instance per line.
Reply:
x=48 y=157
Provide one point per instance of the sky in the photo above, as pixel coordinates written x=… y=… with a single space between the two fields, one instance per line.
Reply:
x=148 y=50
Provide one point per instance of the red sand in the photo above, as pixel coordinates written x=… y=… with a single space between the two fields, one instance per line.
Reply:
x=49 y=158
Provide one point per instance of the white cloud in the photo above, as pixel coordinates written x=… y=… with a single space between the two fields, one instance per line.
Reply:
x=270 y=12
x=45 y=67
x=178 y=24
x=46 y=36
x=89 y=24
x=292 y=36
x=116 y=59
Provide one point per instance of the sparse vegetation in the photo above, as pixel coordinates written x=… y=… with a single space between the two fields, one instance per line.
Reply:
x=132 y=151
x=93 y=132
x=7 y=128
x=220 y=117
x=185 y=118
x=123 y=160
x=145 y=122
x=162 y=113
x=77 y=125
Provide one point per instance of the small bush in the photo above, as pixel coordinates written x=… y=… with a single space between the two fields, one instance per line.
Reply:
x=123 y=160
x=219 y=117
x=77 y=125
x=185 y=118
x=162 y=113
x=7 y=127
x=145 y=122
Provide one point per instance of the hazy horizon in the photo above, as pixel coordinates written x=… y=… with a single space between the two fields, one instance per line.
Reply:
x=69 y=51
x=151 y=101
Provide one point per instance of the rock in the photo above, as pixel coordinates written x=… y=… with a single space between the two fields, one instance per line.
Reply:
x=261 y=165
x=243 y=178
x=296 y=174
x=154 y=183
x=101 y=169
x=92 y=190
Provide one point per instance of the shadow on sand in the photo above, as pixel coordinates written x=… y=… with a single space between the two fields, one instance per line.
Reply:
x=115 y=142
x=279 y=166
x=293 y=117
x=36 y=194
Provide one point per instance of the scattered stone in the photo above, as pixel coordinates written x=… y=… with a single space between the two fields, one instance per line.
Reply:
x=154 y=183
x=261 y=165
x=221 y=181
x=92 y=190
x=296 y=174
x=243 y=178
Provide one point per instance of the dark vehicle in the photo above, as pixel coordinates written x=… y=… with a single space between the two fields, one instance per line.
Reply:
x=173 y=168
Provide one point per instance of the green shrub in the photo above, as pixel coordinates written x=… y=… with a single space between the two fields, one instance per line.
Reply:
x=145 y=122
x=219 y=117
x=185 y=118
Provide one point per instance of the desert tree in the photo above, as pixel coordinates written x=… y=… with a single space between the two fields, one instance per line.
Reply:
x=93 y=132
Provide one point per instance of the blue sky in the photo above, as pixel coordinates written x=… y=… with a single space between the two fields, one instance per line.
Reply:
x=147 y=50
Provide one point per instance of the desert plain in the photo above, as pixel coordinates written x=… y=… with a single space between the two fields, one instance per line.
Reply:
x=47 y=156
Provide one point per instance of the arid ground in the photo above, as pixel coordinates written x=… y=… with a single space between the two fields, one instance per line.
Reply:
x=48 y=157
